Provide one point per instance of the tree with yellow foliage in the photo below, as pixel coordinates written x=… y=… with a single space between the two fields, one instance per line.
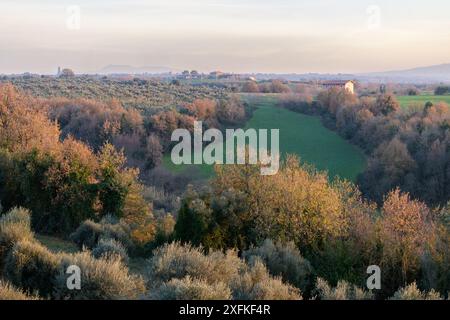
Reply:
x=244 y=207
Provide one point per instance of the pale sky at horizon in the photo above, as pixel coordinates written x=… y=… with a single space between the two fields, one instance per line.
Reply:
x=280 y=36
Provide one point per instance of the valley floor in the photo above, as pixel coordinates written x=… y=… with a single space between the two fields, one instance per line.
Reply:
x=300 y=134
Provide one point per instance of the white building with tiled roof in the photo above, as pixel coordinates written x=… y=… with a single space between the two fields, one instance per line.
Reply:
x=348 y=85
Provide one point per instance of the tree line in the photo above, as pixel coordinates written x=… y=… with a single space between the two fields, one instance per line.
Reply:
x=61 y=179
x=407 y=148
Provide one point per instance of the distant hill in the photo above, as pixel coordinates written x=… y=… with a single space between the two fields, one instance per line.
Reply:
x=436 y=73
x=127 y=69
x=431 y=74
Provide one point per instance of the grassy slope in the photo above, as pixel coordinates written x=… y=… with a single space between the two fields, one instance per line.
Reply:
x=299 y=134
x=56 y=244
x=407 y=101
x=306 y=136
x=202 y=171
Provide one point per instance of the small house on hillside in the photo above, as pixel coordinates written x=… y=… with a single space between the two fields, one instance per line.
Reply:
x=348 y=85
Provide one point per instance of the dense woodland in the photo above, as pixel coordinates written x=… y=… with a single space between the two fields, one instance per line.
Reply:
x=407 y=148
x=81 y=170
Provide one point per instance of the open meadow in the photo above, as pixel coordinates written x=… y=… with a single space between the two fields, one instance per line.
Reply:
x=301 y=135
x=407 y=101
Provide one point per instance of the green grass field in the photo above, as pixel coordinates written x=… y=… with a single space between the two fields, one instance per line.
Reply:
x=307 y=137
x=56 y=245
x=299 y=134
x=407 y=101
x=202 y=171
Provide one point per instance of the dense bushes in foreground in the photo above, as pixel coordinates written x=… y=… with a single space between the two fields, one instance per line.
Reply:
x=14 y=226
x=8 y=292
x=284 y=261
x=338 y=232
x=29 y=265
x=185 y=272
x=110 y=248
x=342 y=291
x=175 y=271
x=104 y=278
x=90 y=233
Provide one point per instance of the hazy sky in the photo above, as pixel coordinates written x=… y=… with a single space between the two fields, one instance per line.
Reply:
x=231 y=35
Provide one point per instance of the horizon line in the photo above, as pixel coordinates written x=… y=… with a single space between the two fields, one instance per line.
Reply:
x=179 y=70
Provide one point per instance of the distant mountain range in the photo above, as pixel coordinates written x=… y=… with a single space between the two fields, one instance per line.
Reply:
x=436 y=73
x=126 y=69
x=431 y=74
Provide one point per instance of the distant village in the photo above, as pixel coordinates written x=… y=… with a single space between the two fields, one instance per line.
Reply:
x=193 y=76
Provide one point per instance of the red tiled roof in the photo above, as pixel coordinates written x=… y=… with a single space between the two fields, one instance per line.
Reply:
x=336 y=82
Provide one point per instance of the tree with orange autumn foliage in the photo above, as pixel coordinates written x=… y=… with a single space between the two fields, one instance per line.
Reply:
x=63 y=182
